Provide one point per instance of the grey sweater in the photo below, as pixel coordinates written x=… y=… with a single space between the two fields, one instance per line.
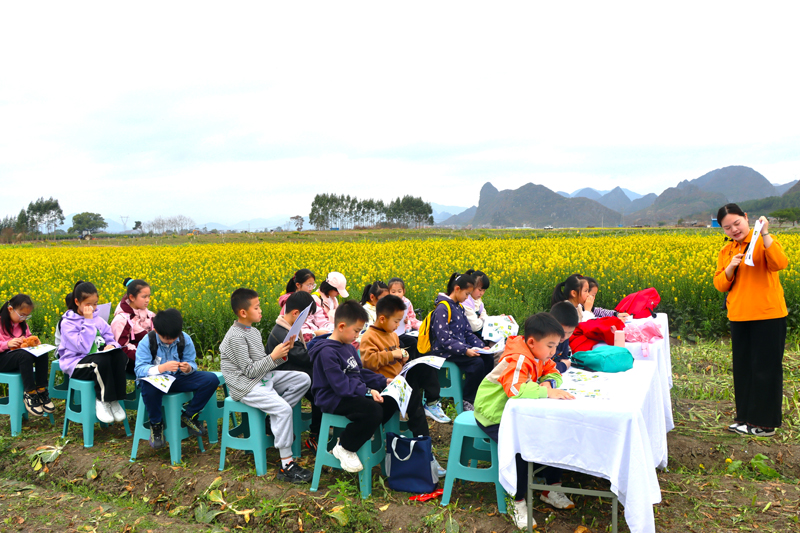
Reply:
x=243 y=360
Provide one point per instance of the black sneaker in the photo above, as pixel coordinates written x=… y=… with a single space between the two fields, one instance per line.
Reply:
x=157 y=435
x=311 y=443
x=33 y=403
x=760 y=432
x=294 y=473
x=193 y=424
x=47 y=404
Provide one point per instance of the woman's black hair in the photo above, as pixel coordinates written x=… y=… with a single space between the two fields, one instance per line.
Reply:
x=5 y=315
x=729 y=209
x=563 y=289
x=481 y=279
x=301 y=276
x=396 y=280
x=592 y=282
x=81 y=290
x=326 y=288
x=375 y=288
x=462 y=281
x=134 y=286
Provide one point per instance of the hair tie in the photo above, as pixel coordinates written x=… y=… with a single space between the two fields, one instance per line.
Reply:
x=456 y=278
x=129 y=282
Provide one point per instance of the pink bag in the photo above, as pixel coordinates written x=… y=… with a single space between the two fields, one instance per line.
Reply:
x=644 y=333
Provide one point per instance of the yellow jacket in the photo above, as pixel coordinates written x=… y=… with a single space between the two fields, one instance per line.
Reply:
x=755 y=292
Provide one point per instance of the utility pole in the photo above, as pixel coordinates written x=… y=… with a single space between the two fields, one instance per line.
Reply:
x=124 y=222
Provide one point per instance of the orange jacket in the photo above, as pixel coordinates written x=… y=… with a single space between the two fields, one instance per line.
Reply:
x=378 y=350
x=523 y=366
x=755 y=292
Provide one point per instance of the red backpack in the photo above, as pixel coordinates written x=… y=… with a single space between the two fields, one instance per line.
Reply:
x=641 y=304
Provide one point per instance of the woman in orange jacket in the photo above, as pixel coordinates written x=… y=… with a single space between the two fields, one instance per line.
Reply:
x=757 y=313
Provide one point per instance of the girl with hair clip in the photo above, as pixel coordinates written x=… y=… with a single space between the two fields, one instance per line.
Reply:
x=599 y=312
x=473 y=306
x=369 y=298
x=14 y=335
x=452 y=337
x=574 y=289
x=87 y=351
x=327 y=296
x=132 y=319
x=316 y=323
x=757 y=313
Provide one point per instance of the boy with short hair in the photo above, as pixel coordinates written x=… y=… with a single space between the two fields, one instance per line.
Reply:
x=170 y=351
x=525 y=371
x=298 y=358
x=342 y=386
x=566 y=315
x=381 y=352
x=251 y=378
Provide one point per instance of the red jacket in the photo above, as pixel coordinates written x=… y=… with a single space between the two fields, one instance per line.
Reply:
x=589 y=333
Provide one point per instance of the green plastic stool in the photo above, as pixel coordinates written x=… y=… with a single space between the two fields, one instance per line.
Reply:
x=171 y=409
x=251 y=433
x=371 y=454
x=451 y=383
x=462 y=450
x=80 y=408
x=213 y=411
x=13 y=404
x=58 y=390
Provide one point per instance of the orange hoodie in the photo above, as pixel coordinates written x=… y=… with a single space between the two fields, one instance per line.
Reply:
x=378 y=350
x=755 y=292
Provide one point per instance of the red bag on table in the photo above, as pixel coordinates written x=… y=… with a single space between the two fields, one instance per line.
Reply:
x=640 y=304
x=589 y=333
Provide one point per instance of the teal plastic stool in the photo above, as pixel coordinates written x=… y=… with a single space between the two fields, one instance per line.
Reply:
x=213 y=411
x=13 y=404
x=371 y=454
x=131 y=402
x=451 y=383
x=400 y=427
x=251 y=433
x=171 y=409
x=80 y=408
x=462 y=451
x=58 y=390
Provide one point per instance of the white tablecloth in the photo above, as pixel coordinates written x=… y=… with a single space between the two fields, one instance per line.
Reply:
x=621 y=437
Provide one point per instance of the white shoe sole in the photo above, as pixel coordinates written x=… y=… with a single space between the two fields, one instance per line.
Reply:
x=342 y=461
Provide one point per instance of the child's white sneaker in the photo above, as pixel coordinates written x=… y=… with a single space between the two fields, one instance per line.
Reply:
x=519 y=514
x=558 y=500
x=349 y=460
x=117 y=411
x=103 y=414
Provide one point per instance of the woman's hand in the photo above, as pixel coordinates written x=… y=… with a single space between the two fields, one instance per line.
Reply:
x=765 y=227
x=735 y=261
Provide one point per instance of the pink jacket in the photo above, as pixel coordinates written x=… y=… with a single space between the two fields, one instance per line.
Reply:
x=16 y=332
x=329 y=305
x=318 y=320
x=130 y=326
x=413 y=323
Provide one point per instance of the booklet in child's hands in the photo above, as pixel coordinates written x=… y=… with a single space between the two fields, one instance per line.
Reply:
x=160 y=381
x=298 y=324
x=400 y=390
x=40 y=350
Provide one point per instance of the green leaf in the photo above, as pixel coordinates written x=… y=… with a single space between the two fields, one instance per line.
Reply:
x=451 y=526
x=204 y=515
x=216 y=496
x=92 y=473
x=734 y=466
x=338 y=513
x=177 y=510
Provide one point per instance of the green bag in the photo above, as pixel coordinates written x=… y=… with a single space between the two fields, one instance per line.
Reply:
x=604 y=358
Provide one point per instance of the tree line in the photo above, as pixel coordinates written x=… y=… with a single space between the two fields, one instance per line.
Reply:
x=39 y=213
x=346 y=212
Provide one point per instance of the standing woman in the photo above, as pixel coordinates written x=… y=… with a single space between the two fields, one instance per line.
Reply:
x=757 y=313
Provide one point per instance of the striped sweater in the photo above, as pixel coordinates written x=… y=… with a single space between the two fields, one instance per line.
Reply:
x=243 y=360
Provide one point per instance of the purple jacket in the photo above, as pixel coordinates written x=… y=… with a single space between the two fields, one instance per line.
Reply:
x=338 y=374
x=77 y=336
x=455 y=337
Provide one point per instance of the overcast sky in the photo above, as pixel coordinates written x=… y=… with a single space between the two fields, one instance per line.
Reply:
x=226 y=113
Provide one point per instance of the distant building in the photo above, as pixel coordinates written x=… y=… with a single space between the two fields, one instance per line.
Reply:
x=714 y=223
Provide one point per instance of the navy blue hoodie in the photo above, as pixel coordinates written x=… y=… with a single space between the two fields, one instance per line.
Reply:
x=454 y=337
x=338 y=374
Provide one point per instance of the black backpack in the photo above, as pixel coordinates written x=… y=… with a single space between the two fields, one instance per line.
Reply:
x=154 y=345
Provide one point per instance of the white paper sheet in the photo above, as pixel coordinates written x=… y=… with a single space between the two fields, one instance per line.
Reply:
x=400 y=390
x=431 y=360
x=748 y=258
x=104 y=311
x=401 y=328
x=497 y=348
x=298 y=324
x=160 y=381
x=41 y=349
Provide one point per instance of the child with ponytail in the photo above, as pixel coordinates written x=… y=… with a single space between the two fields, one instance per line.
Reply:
x=473 y=305
x=316 y=323
x=132 y=319
x=369 y=299
x=87 y=351
x=34 y=370
x=574 y=289
x=452 y=337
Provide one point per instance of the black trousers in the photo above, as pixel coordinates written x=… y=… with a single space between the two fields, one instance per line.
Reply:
x=365 y=415
x=551 y=474
x=426 y=380
x=34 y=370
x=757 y=347
x=418 y=377
x=475 y=369
x=107 y=370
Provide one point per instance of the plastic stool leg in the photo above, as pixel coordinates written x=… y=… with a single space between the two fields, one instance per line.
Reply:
x=322 y=449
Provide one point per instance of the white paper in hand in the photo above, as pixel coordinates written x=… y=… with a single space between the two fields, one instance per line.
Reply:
x=430 y=360
x=104 y=311
x=400 y=390
x=298 y=324
x=401 y=328
x=748 y=258
x=40 y=350
x=160 y=381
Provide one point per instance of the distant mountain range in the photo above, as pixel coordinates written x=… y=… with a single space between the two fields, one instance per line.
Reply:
x=260 y=224
x=537 y=206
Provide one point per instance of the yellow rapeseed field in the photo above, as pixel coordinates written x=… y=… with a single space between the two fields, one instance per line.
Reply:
x=198 y=279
